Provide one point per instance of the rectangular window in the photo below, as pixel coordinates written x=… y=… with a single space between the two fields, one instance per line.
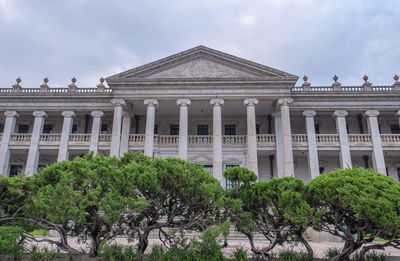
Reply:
x=316 y=129
x=14 y=170
x=104 y=128
x=156 y=129
x=321 y=170
x=208 y=168
x=74 y=129
x=23 y=128
x=395 y=129
x=229 y=184
x=257 y=128
x=230 y=129
x=202 y=129
x=1 y=127
x=174 y=129
x=48 y=128
x=398 y=173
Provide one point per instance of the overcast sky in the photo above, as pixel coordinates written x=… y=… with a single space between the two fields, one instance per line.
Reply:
x=93 y=38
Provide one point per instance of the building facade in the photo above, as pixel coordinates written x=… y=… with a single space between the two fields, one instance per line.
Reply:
x=207 y=107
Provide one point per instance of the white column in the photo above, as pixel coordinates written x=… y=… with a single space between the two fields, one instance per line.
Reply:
x=341 y=128
x=116 y=130
x=63 y=152
x=252 y=160
x=150 y=119
x=126 y=130
x=217 y=138
x=287 y=137
x=96 y=125
x=9 y=127
x=377 y=152
x=279 y=144
x=313 y=162
x=33 y=154
x=183 y=127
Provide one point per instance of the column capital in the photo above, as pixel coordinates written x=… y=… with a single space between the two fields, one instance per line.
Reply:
x=68 y=114
x=97 y=114
x=11 y=114
x=371 y=113
x=118 y=102
x=284 y=101
x=150 y=102
x=39 y=114
x=250 y=101
x=309 y=113
x=340 y=113
x=184 y=102
x=217 y=101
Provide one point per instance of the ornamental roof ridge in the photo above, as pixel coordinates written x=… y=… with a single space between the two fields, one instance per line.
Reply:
x=256 y=69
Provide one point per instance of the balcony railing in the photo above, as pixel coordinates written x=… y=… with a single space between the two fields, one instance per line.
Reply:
x=21 y=137
x=79 y=137
x=105 y=138
x=390 y=138
x=359 y=138
x=266 y=138
x=299 y=138
x=200 y=139
x=327 y=138
x=167 y=139
x=50 y=137
x=234 y=139
x=137 y=138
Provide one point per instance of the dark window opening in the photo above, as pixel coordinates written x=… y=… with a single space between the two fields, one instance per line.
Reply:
x=23 y=128
x=317 y=129
x=104 y=128
x=202 y=129
x=14 y=170
x=1 y=127
x=174 y=129
x=156 y=129
x=74 y=129
x=398 y=173
x=257 y=128
x=48 y=128
x=321 y=170
x=230 y=129
x=395 y=129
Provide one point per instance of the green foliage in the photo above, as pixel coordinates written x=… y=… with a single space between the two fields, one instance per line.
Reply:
x=288 y=255
x=373 y=256
x=331 y=252
x=356 y=201
x=10 y=241
x=44 y=254
x=239 y=254
x=119 y=253
x=240 y=175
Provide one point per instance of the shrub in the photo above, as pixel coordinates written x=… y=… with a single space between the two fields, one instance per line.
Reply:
x=239 y=254
x=11 y=242
x=295 y=256
x=44 y=254
x=331 y=252
x=119 y=253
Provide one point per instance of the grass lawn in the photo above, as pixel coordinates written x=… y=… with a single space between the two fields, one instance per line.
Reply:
x=39 y=232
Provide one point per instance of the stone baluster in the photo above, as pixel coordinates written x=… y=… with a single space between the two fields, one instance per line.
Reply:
x=33 y=154
x=9 y=127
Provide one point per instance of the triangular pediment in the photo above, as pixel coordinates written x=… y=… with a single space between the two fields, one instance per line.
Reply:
x=201 y=63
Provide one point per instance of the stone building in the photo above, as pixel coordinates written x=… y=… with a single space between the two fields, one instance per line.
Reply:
x=211 y=108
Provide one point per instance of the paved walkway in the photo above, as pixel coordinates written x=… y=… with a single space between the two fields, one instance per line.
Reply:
x=319 y=248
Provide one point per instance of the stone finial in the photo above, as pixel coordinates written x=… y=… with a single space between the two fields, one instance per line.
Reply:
x=367 y=86
x=17 y=87
x=100 y=86
x=44 y=87
x=72 y=87
x=396 y=83
x=337 y=86
x=306 y=85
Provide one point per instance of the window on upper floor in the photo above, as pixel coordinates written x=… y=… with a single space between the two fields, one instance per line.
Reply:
x=1 y=127
x=14 y=170
x=48 y=128
x=317 y=129
x=395 y=129
x=74 y=129
x=23 y=128
x=230 y=129
x=155 y=128
x=104 y=128
x=257 y=128
x=202 y=129
x=173 y=129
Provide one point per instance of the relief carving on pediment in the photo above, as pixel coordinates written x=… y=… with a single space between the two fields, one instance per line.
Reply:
x=200 y=68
